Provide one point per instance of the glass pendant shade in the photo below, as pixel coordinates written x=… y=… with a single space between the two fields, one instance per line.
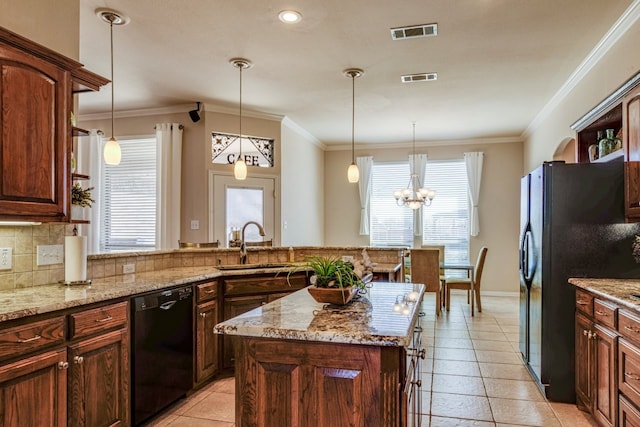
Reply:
x=112 y=152
x=240 y=170
x=353 y=174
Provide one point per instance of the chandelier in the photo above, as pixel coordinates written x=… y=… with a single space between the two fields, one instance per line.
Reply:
x=414 y=196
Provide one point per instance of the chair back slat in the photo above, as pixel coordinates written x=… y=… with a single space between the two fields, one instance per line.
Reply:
x=477 y=279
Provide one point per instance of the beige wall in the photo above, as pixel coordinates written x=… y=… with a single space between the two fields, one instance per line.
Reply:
x=52 y=23
x=620 y=63
x=302 y=189
x=499 y=204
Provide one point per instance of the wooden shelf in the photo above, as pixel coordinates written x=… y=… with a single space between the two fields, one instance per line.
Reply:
x=611 y=156
x=79 y=176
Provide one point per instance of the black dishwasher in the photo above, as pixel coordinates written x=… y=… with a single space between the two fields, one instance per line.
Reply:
x=161 y=350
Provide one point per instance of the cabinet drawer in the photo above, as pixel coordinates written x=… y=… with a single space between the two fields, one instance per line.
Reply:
x=260 y=285
x=605 y=313
x=629 y=416
x=629 y=370
x=98 y=319
x=584 y=302
x=26 y=338
x=206 y=291
x=629 y=325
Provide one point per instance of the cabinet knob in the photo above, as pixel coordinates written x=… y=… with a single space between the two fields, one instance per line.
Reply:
x=63 y=365
x=586 y=333
x=593 y=335
x=203 y=315
x=78 y=360
x=632 y=376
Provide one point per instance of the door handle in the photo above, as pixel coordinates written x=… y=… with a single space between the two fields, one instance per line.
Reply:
x=167 y=305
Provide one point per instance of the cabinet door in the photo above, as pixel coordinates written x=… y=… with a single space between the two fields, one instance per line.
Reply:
x=206 y=341
x=631 y=142
x=629 y=415
x=99 y=381
x=584 y=363
x=33 y=391
x=234 y=307
x=35 y=136
x=606 y=388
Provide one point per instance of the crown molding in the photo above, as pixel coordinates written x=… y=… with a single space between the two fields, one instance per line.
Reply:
x=213 y=108
x=617 y=30
x=435 y=143
x=286 y=121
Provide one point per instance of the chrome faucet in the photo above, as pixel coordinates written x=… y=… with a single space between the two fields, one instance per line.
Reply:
x=243 y=247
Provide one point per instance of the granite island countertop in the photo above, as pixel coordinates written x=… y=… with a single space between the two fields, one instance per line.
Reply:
x=369 y=319
x=23 y=302
x=617 y=290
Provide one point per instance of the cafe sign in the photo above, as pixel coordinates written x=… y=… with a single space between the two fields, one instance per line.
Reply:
x=256 y=151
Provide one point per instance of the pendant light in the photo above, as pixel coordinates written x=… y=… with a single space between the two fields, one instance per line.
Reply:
x=353 y=174
x=112 y=152
x=240 y=167
x=414 y=196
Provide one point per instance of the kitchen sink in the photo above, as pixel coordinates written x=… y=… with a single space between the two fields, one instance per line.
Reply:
x=253 y=266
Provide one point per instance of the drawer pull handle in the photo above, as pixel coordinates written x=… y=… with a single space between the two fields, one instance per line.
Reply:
x=203 y=315
x=106 y=319
x=632 y=376
x=78 y=360
x=631 y=329
x=34 y=338
x=601 y=313
x=210 y=291
x=63 y=365
x=581 y=302
x=586 y=333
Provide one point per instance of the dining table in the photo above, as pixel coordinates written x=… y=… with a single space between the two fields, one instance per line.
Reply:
x=469 y=268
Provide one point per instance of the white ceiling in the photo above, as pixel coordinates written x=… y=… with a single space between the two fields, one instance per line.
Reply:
x=498 y=61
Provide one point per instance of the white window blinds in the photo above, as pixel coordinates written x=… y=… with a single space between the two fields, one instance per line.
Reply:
x=129 y=194
x=446 y=221
x=391 y=225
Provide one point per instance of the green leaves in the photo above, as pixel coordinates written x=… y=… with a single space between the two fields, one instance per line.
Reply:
x=333 y=272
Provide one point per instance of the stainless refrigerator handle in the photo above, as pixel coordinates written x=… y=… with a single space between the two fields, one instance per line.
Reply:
x=528 y=275
x=523 y=253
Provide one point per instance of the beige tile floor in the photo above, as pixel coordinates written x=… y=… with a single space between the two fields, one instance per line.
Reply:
x=473 y=376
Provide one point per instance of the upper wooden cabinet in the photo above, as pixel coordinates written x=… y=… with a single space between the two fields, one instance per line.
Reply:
x=620 y=111
x=36 y=88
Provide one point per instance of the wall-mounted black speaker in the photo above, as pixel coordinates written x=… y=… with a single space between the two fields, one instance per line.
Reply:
x=195 y=114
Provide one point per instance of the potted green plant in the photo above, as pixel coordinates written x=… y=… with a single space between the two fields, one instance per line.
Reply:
x=80 y=198
x=333 y=280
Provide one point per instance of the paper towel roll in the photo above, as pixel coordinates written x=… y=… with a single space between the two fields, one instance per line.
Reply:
x=75 y=258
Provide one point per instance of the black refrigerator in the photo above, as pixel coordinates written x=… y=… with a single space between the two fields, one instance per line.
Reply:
x=572 y=225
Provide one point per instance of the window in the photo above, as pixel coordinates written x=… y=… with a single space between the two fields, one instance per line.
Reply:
x=446 y=221
x=129 y=194
x=390 y=225
x=244 y=205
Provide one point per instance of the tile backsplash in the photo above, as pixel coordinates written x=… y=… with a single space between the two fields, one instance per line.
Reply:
x=23 y=242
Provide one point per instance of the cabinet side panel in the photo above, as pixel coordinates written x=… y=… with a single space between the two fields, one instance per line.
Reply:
x=339 y=397
x=281 y=380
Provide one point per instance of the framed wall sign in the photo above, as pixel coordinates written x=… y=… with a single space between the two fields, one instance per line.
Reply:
x=256 y=151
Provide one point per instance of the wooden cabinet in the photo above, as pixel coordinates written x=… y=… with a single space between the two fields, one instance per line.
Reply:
x=34 y=391
x=207 y=343
x=98 y=383
x=36 y=87
x=596 y=356
x=244 y=293
x=317 y=384
x=631 y=141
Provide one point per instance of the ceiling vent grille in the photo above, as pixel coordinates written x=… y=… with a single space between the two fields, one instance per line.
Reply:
x=422 y=77
x=426 y=30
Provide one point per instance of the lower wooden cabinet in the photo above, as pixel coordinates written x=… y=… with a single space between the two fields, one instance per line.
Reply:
x=234 y=307
x=33 y=391
x=98 y=381
x=206 y=341
x=629 y=415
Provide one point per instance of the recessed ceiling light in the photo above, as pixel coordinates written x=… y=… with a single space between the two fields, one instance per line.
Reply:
x=290 y=16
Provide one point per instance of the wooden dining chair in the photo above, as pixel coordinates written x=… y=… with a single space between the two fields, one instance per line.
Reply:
x=465 y=283
x=440 y=248
x=425 y=269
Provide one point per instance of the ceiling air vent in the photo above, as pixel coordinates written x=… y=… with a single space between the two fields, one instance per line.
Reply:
x=426 y=30
x=422 y=77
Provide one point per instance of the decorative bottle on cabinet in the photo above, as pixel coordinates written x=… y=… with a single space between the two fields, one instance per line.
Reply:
x=604 y=146
x=615 y=142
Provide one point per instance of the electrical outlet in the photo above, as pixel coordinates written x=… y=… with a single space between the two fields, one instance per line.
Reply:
x=347 y=258
x=195 y=224
x=50 y=254
x=5 y=258
x=128 y=268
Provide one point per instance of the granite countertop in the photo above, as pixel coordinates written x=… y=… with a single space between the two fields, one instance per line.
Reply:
x=369 y=319
x=617 y=290
x=30 y=301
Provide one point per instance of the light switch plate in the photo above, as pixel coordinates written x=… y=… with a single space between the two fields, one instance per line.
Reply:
x=195 y=224
x=347 y=258
x=50 y=254
x=5 y=258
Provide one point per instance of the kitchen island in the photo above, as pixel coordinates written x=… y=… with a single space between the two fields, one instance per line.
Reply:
x=302 y=363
